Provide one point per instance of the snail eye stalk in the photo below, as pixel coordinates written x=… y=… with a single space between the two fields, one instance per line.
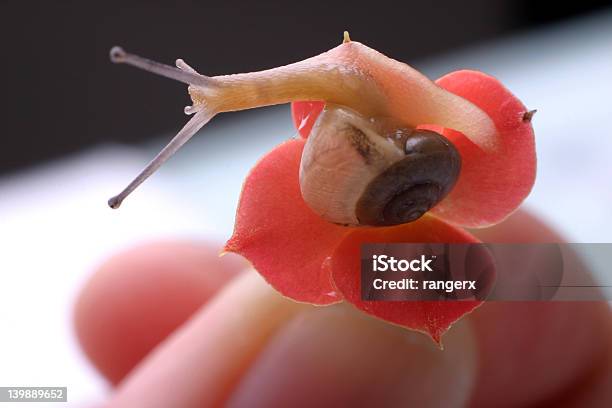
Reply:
x=182 y=137
x=182 y=73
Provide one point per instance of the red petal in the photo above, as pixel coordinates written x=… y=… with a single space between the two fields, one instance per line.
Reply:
x=492 y=184
x=305 y=114
x=430 y=317
x=275 y=230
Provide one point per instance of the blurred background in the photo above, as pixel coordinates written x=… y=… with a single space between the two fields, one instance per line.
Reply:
x=78 y=128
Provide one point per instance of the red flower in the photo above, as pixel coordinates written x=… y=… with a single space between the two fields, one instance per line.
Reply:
x=311 y=260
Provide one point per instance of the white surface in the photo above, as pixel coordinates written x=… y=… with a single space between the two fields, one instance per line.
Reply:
x=55 y=226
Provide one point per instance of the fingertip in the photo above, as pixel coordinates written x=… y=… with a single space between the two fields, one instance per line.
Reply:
x=139 y=296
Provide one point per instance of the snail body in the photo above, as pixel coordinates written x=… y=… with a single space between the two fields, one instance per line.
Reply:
x=364 y=163
x=357 y=171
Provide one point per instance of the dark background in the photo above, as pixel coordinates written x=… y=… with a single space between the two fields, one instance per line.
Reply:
x=61 y=93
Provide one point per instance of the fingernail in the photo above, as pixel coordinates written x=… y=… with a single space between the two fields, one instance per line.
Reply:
x=338 y=356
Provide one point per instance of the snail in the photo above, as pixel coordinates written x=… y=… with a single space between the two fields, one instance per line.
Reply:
x=365 y=162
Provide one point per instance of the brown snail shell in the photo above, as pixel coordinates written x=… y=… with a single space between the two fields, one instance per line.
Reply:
x=356 y=171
